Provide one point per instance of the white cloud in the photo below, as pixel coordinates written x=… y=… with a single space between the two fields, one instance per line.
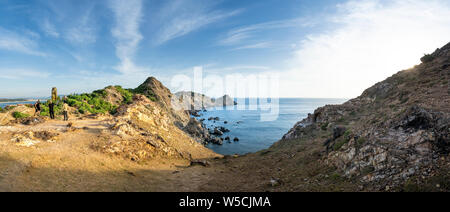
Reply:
x=17 y=73
x=128 y=15
x=83 y=31
x=12 y=41
x=367 y=42
x=185 y=19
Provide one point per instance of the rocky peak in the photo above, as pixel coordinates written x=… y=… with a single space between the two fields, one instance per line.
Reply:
x=154 y=90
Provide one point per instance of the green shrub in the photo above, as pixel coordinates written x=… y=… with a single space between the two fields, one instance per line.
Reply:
x=142 y=89
x=1 y=110
x=126 y=94
x=360 y=141
x=324 y=126
x=90 y=103
x=427 y=58
x=347 y=134
x=19 y=115
x=339 y=143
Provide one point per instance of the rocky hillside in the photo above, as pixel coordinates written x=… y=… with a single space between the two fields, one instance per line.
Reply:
x=397 y=133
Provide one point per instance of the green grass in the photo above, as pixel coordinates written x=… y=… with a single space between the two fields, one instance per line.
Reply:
x=19 y=115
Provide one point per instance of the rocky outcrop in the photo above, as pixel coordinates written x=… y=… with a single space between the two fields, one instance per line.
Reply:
x=147 y=131
x=197 y=130
x=155 y=91
x=395 y=131
x=196 y=101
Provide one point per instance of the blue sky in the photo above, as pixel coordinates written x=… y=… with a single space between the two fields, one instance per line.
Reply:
x=318 y=48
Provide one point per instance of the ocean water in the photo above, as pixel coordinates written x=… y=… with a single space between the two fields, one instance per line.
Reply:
x=255 y=134
x=2 y=105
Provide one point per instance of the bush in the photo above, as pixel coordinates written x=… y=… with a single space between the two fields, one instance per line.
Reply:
x=142 y=89
x=339 y=143
x=19 y=115
x=1 y=110
x=360 y=141
x=324 y=126
x=427 y=58
x=91 y=103
x=126 y=94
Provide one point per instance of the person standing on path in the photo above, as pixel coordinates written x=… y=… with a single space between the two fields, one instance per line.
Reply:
x=37 y=107
x=66 y=111
x=51 y=107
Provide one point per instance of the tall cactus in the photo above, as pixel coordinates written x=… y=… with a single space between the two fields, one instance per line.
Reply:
x=54 y=94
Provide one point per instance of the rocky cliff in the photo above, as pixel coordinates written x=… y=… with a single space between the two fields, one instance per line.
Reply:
x=397 y=132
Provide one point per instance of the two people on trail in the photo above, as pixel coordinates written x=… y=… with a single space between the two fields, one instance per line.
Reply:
x=51 y=107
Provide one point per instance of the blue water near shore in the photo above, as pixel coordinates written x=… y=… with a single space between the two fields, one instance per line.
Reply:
x=255 y=134
x=2 y=105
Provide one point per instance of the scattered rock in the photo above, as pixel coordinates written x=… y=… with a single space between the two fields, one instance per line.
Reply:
x=32 y=120
x=236 y=139
x=200 y=162
x=217 y=132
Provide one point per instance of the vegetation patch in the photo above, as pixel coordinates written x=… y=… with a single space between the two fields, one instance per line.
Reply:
x=91 y=103
x=19 y=115
x=360 y=141
x=126 y=94
x=144 y=90
x=427 y=58
x=339 y=143
x=324 y=126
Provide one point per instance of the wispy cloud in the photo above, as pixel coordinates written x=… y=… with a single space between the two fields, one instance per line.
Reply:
x=17 y=73
x=238 y=35
x=12 y=41
x=49 y=29
x=185 y=19
x=83 y=31
x=128 y=16
x=259 y=45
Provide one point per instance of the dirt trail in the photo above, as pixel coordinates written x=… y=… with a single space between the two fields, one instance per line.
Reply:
x=70 y=164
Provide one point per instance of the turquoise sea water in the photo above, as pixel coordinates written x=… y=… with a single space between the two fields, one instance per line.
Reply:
x=254 y=134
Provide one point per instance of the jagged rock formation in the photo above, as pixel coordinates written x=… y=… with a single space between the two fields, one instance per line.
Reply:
x=196 y=101
x=398 y=130
x=148 y=132
x=158 y=93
